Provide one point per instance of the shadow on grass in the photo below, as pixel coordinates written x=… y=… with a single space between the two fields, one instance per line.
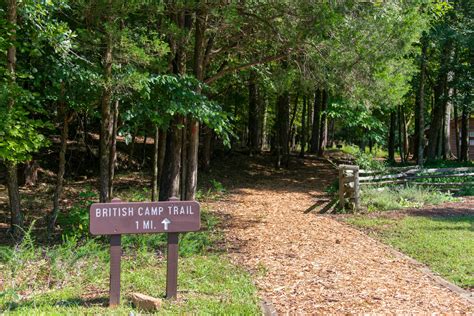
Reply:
x=101 y=301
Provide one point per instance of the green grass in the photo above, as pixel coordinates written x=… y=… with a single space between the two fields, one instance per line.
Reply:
x=399 y=197
x=72 y=277
x=445 y=244
x=448 y=164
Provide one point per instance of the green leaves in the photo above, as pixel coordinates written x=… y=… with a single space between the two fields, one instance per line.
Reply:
x=164 y=96
x=19 y=136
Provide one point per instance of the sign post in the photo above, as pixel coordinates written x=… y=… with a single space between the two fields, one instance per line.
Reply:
x=117 y=218
x=172 y=266
x=115 y=258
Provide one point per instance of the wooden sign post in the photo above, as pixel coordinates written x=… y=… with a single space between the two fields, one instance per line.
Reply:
x=117 y=218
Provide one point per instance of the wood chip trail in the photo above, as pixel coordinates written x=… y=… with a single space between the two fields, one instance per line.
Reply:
x=306 y=264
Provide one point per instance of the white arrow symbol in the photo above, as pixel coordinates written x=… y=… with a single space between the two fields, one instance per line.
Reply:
x=166 y=222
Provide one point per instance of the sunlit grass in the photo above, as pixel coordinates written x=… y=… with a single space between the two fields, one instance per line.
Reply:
x=399 y=197
x=445 y=244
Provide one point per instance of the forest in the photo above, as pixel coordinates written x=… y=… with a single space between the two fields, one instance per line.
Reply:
x=179 y=95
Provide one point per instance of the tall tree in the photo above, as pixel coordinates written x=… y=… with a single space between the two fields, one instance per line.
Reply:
x=16 y=220
x=420 y=107
x=323 y=133
x=391 y=136
x=106 y=125
x=282 y=128
x=315 y=139
x=303 y=128
x=64 y=117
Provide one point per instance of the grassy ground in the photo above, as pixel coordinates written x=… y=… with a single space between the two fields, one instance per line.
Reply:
x=71 y=277
x=399 y=197
x=444 y=243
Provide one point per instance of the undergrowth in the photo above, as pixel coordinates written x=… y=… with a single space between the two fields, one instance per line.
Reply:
x=71 y=277
x=398 y=197
x=364 y=159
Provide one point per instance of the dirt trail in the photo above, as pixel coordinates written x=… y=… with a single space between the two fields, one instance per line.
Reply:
x=303 y=263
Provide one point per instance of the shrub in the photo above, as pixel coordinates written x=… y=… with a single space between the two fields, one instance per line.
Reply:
x=368 y=161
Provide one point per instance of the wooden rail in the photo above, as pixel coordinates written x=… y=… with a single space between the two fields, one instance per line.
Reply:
x=351 y=178
x=414 y=174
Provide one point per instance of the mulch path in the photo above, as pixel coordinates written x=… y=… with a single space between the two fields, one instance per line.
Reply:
x=304 y=263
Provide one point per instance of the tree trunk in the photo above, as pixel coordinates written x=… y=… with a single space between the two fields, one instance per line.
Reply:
x=145 y=138
x=16 y=219
x=113 y=148
x=456 y=130
x=106 y=122
x=283 y=104
x=309 y=121
x=206 y=148
x=184 y=157
x=253 y=115
x=316 y=122
x=64 y=117
x=170 y=179
x=170 y=183
x=262 y=105
x=436 y=125
x=192 y=163
x=435 y=143
x=323 y=133
x=303 y=128
x=161 y=154
x=291 y=128
x=420 y=109
x=332 y=126
x=391 y=137
x=405 y=135
x=447 y=150
x=192 y=125
x=134 y=134
x=465 y=134
x=155 y=166
x=400 y=134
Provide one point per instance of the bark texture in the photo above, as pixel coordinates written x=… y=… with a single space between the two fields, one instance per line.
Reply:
x=465 y=134
x=420 y=109
x=113 y=149
x=282 y=126
x=155 y=166
x=16 y=218
x=106 y=122
x=323 y=132
x=391 y=136
x=170 y=179
x=316 y=122
x=63 y=116
x=254 y=117
x=303 y=128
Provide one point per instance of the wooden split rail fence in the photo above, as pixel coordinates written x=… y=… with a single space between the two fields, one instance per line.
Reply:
x=351 y=178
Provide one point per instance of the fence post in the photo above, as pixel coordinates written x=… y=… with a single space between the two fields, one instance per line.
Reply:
x=356 y=189
x=341 y=187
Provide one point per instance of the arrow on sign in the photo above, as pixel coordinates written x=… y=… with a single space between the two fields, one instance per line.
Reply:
x=166 y=222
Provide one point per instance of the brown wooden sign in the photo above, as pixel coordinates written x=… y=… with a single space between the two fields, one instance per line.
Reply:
x=144 y=217
x=117 y=218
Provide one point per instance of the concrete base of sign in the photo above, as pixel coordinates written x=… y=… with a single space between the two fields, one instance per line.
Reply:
x=145 y=302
